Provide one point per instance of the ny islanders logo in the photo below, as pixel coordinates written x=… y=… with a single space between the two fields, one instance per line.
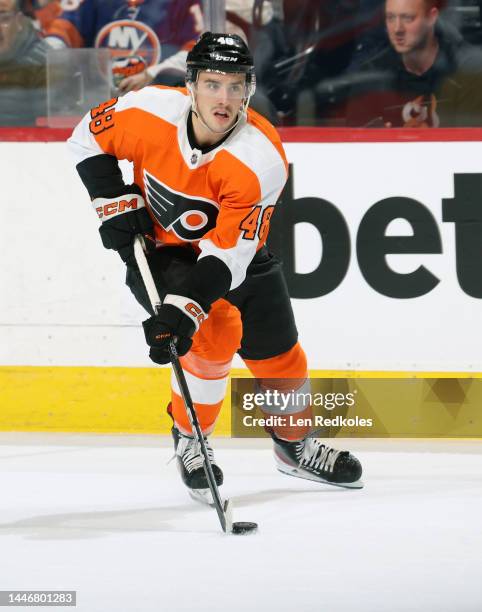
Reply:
x=126 y=37
x=189 y=217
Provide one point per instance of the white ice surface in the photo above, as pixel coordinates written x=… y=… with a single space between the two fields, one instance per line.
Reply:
x=106 y=516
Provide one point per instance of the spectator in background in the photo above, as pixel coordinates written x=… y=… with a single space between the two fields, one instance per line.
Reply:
x=139 y=34
x=43 y=12
x=22 y=68
x=427 y=77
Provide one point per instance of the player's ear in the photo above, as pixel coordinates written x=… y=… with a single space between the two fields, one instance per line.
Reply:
x=190 y=90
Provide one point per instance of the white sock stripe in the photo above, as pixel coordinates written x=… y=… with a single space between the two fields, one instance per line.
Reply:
x=203 y=391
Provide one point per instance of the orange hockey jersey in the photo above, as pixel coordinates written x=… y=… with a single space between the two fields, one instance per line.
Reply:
x=221 y=201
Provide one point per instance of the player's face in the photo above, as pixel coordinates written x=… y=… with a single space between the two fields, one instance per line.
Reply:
x=10 y=24
x=219 y=98
x=409 y=24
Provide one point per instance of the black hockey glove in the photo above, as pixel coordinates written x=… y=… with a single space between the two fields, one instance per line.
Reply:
x=178 y=317
x=123 y=216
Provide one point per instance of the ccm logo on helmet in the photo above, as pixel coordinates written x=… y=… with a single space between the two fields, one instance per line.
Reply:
x=224 y=58
x=115 y=208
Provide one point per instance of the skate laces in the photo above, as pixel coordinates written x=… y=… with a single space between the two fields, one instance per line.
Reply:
x=314 y=454
x=189 y=450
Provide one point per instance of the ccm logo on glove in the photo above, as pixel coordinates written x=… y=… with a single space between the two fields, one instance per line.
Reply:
x=104 y=207
x=192 y=309
x=195 y=312
x=163 y=336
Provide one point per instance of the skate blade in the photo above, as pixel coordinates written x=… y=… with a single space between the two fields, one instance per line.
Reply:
x=202 y=496
x=291 y=471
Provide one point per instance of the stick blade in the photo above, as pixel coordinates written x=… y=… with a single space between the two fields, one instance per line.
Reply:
x=228 y=515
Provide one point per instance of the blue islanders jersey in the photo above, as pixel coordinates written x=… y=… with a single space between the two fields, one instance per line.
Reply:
x=151 y=29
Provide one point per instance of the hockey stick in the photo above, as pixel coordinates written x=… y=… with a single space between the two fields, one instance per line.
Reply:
x=224 y=511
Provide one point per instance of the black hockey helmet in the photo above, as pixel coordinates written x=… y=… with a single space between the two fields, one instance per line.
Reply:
x=221 y=53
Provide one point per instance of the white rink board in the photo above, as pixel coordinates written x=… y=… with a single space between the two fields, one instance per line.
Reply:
x=355 y=327
x=64 y=301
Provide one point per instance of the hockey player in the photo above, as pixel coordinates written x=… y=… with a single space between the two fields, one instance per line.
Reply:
x=208 y=172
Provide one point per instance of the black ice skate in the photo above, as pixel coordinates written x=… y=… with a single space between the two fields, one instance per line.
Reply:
x=311 y=459
x=190 y=463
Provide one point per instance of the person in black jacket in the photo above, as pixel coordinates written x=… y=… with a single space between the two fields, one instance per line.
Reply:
x=427 y=77
x=22 y=68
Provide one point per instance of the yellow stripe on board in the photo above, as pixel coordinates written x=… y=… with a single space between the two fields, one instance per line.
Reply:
x=115 y=399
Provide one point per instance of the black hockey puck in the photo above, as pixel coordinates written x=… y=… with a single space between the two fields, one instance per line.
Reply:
x=243 y=528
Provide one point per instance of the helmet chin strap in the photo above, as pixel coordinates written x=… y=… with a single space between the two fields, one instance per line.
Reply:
x=241 y=113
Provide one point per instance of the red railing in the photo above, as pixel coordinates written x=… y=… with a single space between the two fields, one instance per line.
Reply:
x=292 y=134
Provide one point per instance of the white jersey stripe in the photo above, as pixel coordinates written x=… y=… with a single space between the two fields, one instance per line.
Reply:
x=82 y=144
x=268 y=167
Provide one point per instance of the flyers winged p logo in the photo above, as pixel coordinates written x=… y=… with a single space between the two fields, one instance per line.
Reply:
x=189 y=217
